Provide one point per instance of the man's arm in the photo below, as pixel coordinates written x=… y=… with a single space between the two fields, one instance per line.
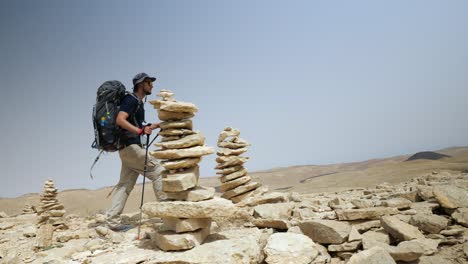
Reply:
x=122 y=122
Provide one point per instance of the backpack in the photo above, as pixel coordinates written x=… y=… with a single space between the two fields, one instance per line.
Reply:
x=106 y=131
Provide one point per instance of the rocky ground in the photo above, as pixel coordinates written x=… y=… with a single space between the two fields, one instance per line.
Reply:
x=424 y=220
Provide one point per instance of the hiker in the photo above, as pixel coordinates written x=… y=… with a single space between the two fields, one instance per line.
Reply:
x=132 y=154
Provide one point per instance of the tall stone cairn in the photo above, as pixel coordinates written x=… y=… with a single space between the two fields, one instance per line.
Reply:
x=29 y=209
x=50 y=211
x=236 y=185
x=187 y=215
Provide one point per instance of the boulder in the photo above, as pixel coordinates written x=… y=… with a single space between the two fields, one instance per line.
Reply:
x=374 y=255
x=461 y=216
x=450 y=196
x=364 y=213
x=425 y=192
x=399 y=229
x=289 y=248
x=216 y=207
x=429 y=223
x=198 y=193
x=196 y=152
x=326 y=231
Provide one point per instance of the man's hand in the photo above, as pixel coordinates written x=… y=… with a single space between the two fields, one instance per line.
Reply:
x=154 y=126
x=149 y=129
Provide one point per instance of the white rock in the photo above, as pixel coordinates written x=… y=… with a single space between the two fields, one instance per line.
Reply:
x=289 y=248
x=184 y=209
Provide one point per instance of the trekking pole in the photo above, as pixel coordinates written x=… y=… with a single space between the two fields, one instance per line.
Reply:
x=144 y=178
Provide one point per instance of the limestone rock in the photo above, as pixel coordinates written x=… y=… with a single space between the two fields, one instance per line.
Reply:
x=3 y=215
x=233 y=145
x=181 y=181
x=228 y=132
x=361 y=203
x=400 y=203
x=364 y=226
x=450 y=196
x=354 y=235
x=429 y=223
x=234 y=175
x=180 y=163
x=347 y=246
x=274 y=211
x=272 y=197
x=180 y=225
x=289 y=248
x=171 y=241
x=198 y=193
x=44 y=236
x=461 y=216
x=196 y=139
x=216 y=207
x=399 y=229
x=279 y=224
x=372 y=239
x=326 y=231
x=425 y=192
x=226 y=186
x=241 y=189
x=5 y=226
x=407 y=251
x=364 y=213
x=229 y=170
x=227 y=151
x=186 y=124
x=374 y=255
x=30 y=231
x=173 y=116
x=228 y=161
x=249 y=194
x=174 y=106
x=196 y=152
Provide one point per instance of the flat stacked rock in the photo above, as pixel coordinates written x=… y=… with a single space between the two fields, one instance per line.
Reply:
x=29 y=209
x=187 y=218
x=236 y=185
x=50 y=210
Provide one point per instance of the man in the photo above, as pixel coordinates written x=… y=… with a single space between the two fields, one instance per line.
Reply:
x=131 y=119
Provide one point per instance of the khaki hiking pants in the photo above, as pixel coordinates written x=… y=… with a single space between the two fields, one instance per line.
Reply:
x=133 y=162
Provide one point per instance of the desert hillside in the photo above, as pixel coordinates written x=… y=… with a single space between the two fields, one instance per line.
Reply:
x=301 y=179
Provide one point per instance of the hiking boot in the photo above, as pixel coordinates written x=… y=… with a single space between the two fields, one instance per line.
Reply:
x=121 y=228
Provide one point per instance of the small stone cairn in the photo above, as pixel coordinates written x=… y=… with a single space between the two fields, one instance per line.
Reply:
x=235 y=183
x=187 y=215
x=29 y=209
x=50 y=210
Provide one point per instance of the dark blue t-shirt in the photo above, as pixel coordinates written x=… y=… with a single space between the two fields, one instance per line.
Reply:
x=136 y=116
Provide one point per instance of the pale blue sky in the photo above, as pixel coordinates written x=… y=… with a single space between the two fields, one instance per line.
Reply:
x=306 y=82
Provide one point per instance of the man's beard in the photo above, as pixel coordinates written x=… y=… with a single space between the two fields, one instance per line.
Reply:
x=147 y=92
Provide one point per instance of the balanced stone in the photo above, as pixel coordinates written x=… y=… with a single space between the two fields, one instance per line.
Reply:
x=215 y=207
x=253 y=193
x=187 y=124
x=228 y=132
x=176 y=132
x=197 y=151
x=227 y=151
x=180 y=225
x=229 y=170
x=180 y=163
x=196 y=139
x=171 y=241
x=232 y=176
x=198 y=193
x=226 y=186
x=241 y=189
x=171 y=116
x=173 y=106
x=232 y=145
x=228 y=161
x=180 y=181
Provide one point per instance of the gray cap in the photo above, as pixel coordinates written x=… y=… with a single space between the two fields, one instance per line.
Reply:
x=140 y=77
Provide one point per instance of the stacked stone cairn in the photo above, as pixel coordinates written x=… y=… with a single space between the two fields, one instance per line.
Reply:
x=29 y=209
x=236 y=185
x=188 y=212
x=50 y=211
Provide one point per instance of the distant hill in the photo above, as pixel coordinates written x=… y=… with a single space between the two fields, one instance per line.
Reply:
x=428 y=155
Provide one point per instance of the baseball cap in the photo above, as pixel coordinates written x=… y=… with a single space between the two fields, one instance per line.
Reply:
x=140 y=77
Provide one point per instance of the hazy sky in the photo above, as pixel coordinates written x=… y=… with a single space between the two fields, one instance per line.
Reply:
x=306 y=82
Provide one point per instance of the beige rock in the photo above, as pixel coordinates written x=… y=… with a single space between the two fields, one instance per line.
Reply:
x=425 y=192
x=173 y=116
x=228 y=161
x=216 y=207
x=241 y=189
x=197 y=151
x=326 y=231
x=180 y=225
x=198 y=193
x=399 y=229
x=165 y=94
x=196 y=139
x=30 y=231
x=289 y=248
x=429 y=223
x=57 y=213
x=228 y=132
x=450 y=196
x=229 y=170
x=44 y=236
x=249 y=194
x=181 y=181
x=407 y=251
x=226 y=186
x=400 y=203
x=180 y=163
x=379 y=238
x=171 y=138
x=185 y=124
x=364 y=226
x=347 y=246
x=228 y=152
x=453 y=232
x=171 y=241
x=234 y=175
x=364 y=213
x=280 y=224
x=233 y=145
x=374 y=255
x=354 y=235
x=6 y=225
x=174 y=106
x=274 y=211
x=176 y=132
x=461 y=216
x=272 y=197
